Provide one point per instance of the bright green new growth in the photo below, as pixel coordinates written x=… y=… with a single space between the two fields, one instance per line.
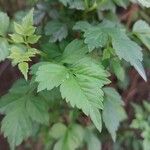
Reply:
x=24 y=35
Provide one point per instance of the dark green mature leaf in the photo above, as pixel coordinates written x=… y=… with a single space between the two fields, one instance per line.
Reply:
x=128 y=50
x=113 y=112
x=4 y=23
x=4 y=49
x=81 y=25
x=51 y=50
x=56 y=30
x=22 y=108
x=100 y=35
x=142 y=30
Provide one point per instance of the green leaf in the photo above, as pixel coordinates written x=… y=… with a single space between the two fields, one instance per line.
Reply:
x=37 y=109
x=24 y=67
x=22 y=108
x=28 y=19
x=106 y=32
x=17 y=38
x=79 y=84
x=33 y=39
x=4 y=49
x=71 y=139
x=4 y=23
x=19 y=54
x=81 y=25
x=52 y=50
x=77 y=4
x=74 y=4
x=128 y=50
x=113 y=112
x=92 y=141
x=58 y=130
x=96 y=118
x=26 y=27
x=142 y=30
x=95 y=37
x=87 y=80
x=106 y=54
x=145 y=3
x=56 y=30
x=118 y=69
x=17 y=126
x=74 y=52
x=50 y=76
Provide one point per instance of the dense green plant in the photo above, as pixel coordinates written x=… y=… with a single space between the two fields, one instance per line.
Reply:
x=79 y=47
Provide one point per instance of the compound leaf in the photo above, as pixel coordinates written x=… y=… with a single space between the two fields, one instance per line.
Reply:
x=100 y=35
x=21 y=108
